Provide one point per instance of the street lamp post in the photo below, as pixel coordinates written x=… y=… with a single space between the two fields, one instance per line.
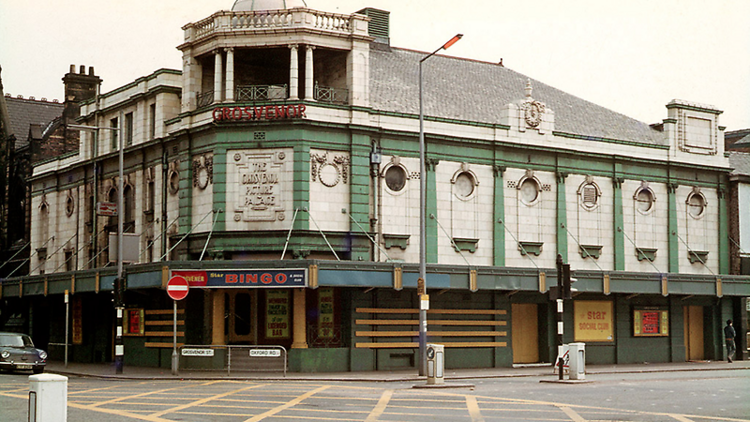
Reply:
x=424 y=300
x=118 y=285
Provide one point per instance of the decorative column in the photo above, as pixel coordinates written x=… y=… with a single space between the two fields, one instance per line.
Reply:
x=217 y=76
x=309 y=79
x=229 y=96
x=299 y=334
x=498 y=228
x=618 y=221
x=217 y=323
x=672 y=228
x=293 y=73
x=562 y=217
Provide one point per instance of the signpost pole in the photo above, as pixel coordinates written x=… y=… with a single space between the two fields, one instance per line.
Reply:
x=175 y=357
x=67 y=324
x=560 y=325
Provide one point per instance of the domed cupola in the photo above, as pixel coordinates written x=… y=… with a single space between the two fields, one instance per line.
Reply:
x=255 y=5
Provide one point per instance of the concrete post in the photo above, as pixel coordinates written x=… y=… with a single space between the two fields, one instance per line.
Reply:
x=48 y=398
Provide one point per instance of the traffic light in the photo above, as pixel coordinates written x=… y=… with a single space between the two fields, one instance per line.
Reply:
x=567 y=281
x=118 y=290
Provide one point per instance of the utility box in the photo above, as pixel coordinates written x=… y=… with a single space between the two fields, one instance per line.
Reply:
x=435 y=364
x=577 y=361
x=48 y=398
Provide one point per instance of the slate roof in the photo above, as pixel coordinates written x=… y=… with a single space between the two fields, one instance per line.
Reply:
x=25 y=112
x=740 y=162
x=476 y=91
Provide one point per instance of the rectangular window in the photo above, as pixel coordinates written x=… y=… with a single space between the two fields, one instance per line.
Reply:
x=152 y=121
x=129 y=129
x=650 y=322
x=69 y=261
x=113 y=134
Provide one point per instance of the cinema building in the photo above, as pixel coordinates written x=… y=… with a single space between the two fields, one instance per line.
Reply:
x=278 y=172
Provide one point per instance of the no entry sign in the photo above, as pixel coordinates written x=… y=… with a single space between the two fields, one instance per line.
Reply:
x=177 y=288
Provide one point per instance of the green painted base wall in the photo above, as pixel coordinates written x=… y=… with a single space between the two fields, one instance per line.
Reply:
x=319 y=360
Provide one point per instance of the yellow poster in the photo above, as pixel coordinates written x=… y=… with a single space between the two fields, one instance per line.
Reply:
x=593 y=321
x=325 y=304
x=277 y=314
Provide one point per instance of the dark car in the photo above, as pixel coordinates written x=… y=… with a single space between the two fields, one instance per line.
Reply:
x=17 y=352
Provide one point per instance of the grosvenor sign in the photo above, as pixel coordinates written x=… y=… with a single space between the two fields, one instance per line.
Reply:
x=269 y=112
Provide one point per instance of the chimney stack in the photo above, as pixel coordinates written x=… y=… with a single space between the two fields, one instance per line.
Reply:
x=78 y=87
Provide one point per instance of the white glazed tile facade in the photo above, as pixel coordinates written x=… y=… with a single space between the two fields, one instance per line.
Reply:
x=330 y=183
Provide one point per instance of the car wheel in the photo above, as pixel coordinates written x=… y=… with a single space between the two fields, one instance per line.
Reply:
x=39 y=370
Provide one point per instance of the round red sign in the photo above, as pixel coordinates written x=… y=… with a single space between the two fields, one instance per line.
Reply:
x=177 y=288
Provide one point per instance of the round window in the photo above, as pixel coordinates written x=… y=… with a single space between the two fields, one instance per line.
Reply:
x=464 y=185
x=696 y=205
x=174 y=182
x=70 y=206
x=529 y=191
x=644 y=200
x=395 y=178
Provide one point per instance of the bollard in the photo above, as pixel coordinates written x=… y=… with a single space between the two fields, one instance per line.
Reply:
x=48 y=398
x=577 y=361
x=435 y=364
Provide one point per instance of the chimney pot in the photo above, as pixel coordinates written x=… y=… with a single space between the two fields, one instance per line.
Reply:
x=83 y=69
x=72 y=68
x=91 y=71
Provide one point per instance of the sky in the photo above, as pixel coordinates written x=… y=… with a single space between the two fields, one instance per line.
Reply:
x=631 y=56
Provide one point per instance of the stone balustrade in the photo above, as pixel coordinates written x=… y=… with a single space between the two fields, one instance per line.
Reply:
x=227 y=21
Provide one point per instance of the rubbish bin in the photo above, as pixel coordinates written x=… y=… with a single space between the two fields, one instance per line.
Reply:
x=435 y=364
x=48 y=398
x=577 y=361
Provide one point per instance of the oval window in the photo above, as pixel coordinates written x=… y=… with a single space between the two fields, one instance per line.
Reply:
x=529 y=191
x=395 y=178
x=589 y=196
x=696 y=205
x=465 y=185
x=644 y=200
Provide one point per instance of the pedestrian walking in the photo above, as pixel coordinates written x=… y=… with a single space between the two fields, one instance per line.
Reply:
x=729 y=335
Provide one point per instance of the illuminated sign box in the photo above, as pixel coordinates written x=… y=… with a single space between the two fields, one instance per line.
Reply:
x=650 y=323
x=244 y=278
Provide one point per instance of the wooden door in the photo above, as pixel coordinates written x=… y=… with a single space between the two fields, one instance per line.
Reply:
x=242 y=322
x=525 y=333
x=693 y=332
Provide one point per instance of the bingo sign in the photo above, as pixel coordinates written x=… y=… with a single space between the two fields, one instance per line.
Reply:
x=244 y=278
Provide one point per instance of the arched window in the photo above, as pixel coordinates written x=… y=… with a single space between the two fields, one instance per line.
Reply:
x=128 y=207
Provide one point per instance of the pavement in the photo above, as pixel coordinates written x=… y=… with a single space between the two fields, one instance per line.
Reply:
x=107 y=371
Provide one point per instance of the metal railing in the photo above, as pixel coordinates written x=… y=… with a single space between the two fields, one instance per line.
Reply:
x=205 y=98
x=328 y=94
x=261 y=92
x=232 y=358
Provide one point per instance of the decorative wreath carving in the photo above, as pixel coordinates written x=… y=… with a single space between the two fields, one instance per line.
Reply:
x=203 y=171
x=340 y=163
x=532 y=109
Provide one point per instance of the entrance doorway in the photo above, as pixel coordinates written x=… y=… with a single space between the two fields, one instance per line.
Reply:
x=693 y=332
x=241 y=317
x=525 y=332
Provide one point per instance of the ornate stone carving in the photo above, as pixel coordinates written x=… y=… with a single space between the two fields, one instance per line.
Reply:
x=329 y=169
x=203 y=171
x=532 y=110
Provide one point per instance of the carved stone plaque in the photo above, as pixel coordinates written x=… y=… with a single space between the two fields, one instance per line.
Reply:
x=259 y=186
